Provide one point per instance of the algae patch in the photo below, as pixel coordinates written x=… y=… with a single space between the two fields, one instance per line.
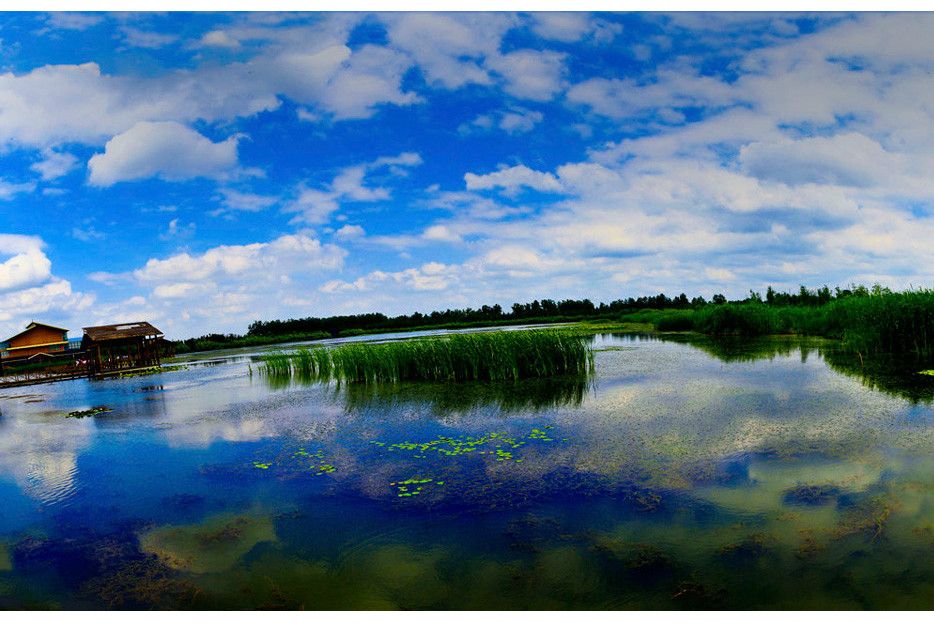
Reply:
x=214 y=545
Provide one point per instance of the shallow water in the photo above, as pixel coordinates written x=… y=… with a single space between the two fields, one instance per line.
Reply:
x=683 y=476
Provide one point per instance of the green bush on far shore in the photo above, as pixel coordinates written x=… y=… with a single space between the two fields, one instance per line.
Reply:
x=885 y=322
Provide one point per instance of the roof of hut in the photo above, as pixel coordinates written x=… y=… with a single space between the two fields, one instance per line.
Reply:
x=33 y=325
x=109 y=332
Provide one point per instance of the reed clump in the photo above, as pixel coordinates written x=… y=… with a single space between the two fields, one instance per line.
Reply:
x=507 y=356
x=883 y=323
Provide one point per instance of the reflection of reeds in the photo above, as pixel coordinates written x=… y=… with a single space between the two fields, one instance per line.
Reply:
x=507 y=397
x=496 y=356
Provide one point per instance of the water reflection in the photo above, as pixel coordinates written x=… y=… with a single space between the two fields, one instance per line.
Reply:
x=444 y=399
x=685 y=474
x=892 y=376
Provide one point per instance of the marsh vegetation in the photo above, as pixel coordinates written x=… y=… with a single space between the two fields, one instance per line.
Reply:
x=499 y=357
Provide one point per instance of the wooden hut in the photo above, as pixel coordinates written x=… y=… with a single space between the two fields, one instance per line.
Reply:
x=121 y=347
x=37 y=338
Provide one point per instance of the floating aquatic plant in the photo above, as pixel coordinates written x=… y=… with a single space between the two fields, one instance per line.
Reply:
x=500 y=446
x=318 y=464
x=416 y=485
x=89 y=412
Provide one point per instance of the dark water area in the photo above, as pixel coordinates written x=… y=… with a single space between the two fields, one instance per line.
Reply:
x=689 y=475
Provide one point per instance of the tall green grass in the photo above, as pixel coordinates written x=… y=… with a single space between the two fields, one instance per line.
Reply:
x=490 y=356
x=887 y=323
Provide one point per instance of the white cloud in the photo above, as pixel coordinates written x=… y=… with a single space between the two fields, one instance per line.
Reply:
x=245 y=202
x=370 y=77
x=73 y=21
x=219 y=39
x=165 y=149
x=315 y=206
x=514 y=178
x=134 y=37
x=450 y=48
x=227 y=286
x=572 y=27
x=54 y=164
x=618 y=99
x=560 y=26
x=54 y=104
x=177 y=230
x=441 y=233
x=848 y=159
x=432 y=277
x=286 y=254
x=86 y=234
x=27 y=286
x=520 y=120
x=8 y=190
x=530 y=74
x=350 y=232
x=28 y=264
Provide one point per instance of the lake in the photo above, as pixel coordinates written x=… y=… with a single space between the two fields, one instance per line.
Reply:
x=684 y=475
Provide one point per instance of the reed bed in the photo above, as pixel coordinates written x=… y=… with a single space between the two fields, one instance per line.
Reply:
x=891 y=323
x=506 y=356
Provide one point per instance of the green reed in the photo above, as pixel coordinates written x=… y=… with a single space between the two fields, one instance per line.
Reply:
x=501 y=356
x=885 y=323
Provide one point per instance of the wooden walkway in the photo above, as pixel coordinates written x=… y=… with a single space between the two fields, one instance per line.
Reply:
x=17 y=381
x=39 y=379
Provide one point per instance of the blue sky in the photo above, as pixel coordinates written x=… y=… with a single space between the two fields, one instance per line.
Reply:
x=201 y=171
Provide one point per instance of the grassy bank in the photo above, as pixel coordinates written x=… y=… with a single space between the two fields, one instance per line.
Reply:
x=500 y=357
x=887 y=323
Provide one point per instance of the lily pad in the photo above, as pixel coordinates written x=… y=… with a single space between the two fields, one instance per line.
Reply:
x=89 y=412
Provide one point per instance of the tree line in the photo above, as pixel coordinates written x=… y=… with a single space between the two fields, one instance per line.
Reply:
x=544 y=310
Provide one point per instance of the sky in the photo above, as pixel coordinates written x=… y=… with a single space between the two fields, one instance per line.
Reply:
x=201 y=171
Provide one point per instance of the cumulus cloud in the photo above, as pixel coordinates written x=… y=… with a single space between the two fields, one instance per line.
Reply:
x=28 y=264
x=511 y=121
x=670 y=90
x=27 y=286
x=433 y=276
x=53 y=104
x=245 y=202
x=8 y=190
x=54 y=164
x=530 y=74
x=847 y=159
x=350 y=232
x=166 y=149
x=220 y=39
x=511 y=179
x=315 y=206
x=73 y=21
x=449 y=48
x=136 y=38
x=572 y=27
x=227 y=286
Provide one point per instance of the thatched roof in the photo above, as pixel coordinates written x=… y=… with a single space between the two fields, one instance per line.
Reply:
x=121 y=331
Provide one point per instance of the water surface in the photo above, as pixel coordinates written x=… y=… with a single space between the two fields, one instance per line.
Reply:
x=685 y=475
